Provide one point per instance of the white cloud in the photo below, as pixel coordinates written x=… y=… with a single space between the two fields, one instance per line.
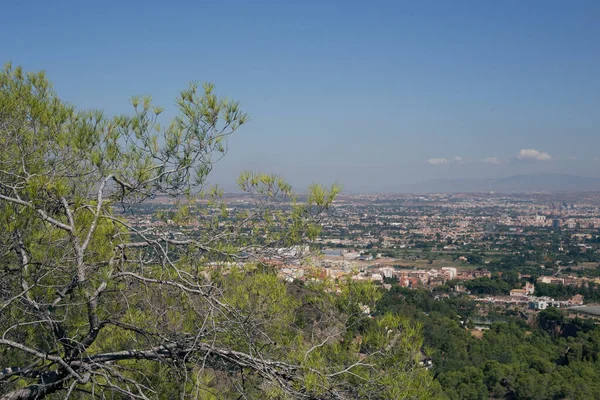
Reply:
x=437 y=161
x=532 y=154
x=492 y=160
x=444 y=160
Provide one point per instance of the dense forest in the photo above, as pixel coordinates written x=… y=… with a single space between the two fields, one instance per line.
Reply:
x=556 y=358
x=590 y=292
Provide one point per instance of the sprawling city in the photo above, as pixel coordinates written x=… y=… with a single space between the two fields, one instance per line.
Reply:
x=495 y=248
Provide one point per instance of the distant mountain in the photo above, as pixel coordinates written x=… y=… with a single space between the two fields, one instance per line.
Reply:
x=512 y=184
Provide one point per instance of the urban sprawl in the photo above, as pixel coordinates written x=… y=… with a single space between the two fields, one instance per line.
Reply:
x=519 y=252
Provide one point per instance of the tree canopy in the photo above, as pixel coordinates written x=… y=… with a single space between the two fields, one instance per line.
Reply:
x=94 y=305
x=557 y=357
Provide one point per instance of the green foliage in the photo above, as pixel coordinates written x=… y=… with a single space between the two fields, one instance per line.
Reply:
x=556 y=359
x=496 y=285
x=95 y=303
x=590 y=292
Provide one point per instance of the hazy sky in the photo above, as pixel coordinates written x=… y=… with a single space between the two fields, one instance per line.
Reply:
x=368 y=93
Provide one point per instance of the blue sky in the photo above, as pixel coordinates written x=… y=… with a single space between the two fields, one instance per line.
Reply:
x=370 y=94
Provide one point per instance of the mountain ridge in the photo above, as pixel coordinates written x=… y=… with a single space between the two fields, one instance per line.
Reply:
x=523 y=183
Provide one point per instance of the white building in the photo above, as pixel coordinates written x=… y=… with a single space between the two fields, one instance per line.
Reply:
x=450 y=271
x=538 y=304
x=518 y=293
x=529 y=288
x=387 y=272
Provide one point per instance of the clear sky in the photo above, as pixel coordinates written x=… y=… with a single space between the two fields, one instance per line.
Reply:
x=367 y=93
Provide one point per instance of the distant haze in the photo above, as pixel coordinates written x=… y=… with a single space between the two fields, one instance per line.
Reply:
x=543 y=182
x=513 y=184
